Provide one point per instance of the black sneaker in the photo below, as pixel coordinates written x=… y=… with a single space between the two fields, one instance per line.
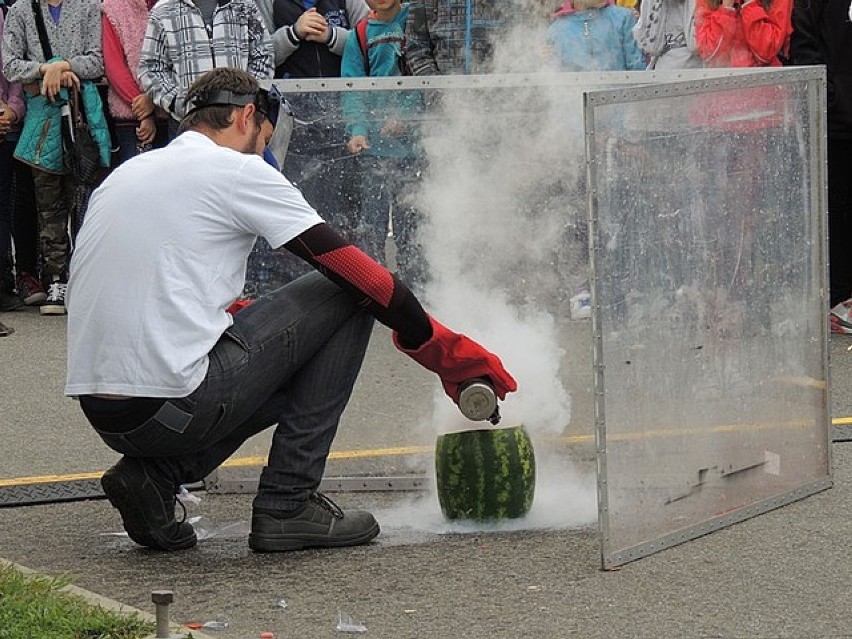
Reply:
x=318 y=524
x=146 y=501
x=55 y=302
x=9 y=302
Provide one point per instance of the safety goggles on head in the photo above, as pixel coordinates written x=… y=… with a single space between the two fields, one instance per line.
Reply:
x=268 y=102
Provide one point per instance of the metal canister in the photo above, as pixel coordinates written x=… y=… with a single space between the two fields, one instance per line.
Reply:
x=478 y=401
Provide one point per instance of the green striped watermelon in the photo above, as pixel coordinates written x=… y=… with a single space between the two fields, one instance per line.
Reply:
x=485 y=474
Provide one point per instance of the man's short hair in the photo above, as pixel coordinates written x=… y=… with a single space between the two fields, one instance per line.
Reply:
x=203 y=106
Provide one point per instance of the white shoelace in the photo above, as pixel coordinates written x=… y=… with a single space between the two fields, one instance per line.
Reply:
x=56 y=291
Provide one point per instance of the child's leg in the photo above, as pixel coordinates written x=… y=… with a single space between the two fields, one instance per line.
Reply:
x=24 y=219
x=53 y=216
x=7 y=281
x=411 y=266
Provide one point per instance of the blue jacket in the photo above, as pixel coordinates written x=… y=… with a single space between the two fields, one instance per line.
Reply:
x=596 y=40
x=40 y=144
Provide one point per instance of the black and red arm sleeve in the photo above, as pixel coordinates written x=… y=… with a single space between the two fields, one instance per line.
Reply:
x=371 y=284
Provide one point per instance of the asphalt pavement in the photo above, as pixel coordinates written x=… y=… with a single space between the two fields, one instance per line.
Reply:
x=781 y=574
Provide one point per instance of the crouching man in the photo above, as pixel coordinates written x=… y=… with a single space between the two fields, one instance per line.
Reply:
x=175 y=383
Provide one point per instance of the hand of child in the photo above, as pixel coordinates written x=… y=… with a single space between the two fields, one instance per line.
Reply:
x=357 y=144
x=146 y=131
x=69 y=79
x=7 y=118
x=312 y=26
x=393 y=127
x=142 y=106
x=51 y=78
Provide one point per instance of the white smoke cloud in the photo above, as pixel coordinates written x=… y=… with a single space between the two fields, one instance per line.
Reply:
x=502 y=194
x=564 y=498
x=503 y=198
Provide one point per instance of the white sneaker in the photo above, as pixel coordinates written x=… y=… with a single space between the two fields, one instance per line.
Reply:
x=841 y=317
x=580 y=305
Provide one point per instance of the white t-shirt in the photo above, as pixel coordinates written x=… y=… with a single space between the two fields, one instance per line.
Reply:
x=161 y=255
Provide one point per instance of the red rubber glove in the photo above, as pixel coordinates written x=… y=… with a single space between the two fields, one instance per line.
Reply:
x=456 y=358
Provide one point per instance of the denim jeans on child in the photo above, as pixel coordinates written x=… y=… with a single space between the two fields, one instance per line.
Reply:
x=387 y=186
x=290 y=358
x=127 y=144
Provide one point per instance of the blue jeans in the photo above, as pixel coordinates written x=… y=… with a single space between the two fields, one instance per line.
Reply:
x=290 y=358
x=128 y=144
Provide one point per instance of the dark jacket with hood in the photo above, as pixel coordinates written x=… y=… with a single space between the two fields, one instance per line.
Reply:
x=296 y=58
x=822 y=34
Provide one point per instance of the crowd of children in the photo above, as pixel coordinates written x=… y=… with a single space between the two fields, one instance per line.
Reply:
x=142 y=57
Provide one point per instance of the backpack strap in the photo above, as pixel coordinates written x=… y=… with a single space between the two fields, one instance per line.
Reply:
x=42 y=31
x=361 y=34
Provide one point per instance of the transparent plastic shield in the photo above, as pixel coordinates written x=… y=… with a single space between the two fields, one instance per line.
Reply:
x=709 y=282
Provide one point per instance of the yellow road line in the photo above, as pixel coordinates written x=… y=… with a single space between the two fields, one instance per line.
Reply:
x=239 y=462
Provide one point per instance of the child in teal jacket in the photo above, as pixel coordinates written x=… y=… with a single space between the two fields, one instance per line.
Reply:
x=380 y=125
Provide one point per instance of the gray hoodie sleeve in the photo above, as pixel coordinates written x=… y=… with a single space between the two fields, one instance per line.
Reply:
x=88 y=64
x=19 y=63
x=356 y=10
x=650 y=29
x=79 y=42
x=157 y=75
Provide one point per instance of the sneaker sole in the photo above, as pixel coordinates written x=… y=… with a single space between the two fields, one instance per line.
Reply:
x=839 y=326
x=35 y=299
x=284 y=543
x=52 y=309
x=120 y=496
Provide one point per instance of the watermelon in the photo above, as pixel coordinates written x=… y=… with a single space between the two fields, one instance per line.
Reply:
x=486 y=474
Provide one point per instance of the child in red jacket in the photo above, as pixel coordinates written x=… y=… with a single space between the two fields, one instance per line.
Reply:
x=730 y=33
